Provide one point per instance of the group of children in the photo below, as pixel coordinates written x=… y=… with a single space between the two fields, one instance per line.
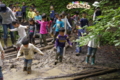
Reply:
x=38 y=25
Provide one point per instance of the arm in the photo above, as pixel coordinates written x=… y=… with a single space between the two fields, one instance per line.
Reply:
x=28 y=14
x=39 y=21
x=12 y=30
x=12 y=15
x=56 y=42
x=37 y=50
x=20 y=52
x=35 y=30
x=68 y=41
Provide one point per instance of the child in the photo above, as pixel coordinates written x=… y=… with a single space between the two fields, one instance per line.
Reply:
x=31 y=13
x=84 y=21
x=80 y=34
x=28 y=50
x=1 y=63
x=19 y=14
x=21 y=32
x=57 y=26
x=60 y=44
x=52 y=12
x=93 y=44
x=43 y=29
x=31 y=30
x=24 y=7
x=37 y=17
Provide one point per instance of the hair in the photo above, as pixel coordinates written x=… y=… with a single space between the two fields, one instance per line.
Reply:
x=60 y=15
x=62 y=29
x=25 y=41
x=44 y=16
x=15 y=22
x=84 y=12
x=31 y=19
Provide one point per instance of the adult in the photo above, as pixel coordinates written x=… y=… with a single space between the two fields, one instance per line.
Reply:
x=97 y=11
x=7 y=18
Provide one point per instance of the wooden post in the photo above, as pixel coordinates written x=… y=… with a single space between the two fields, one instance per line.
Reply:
x=65 y=32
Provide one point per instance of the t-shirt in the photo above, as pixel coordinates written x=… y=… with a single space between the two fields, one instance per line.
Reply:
x=38 y=17
x=80 y=32
x=83 y=22
x=52 y=14
x=61 y=40
x=18 y=14
x=43 y=27
x=21 y=31
x=29 y=51
x=58 y=25
x=31 y=14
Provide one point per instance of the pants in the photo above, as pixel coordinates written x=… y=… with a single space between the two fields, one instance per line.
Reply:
x=27 y=62
x=19 y=42
x=59 y=54
x=23 y=15
x=43 y=37
x=1 y=75
x=31 y=39
x=91 y=51
x=56 y=34
x=5 y=30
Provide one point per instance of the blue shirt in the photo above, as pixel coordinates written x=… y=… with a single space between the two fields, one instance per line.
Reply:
x=24 y=8
x=52 y=14
x=83 y=22
x=80 y=32
x=18 y=14
x=58 y=25
x=38 y=17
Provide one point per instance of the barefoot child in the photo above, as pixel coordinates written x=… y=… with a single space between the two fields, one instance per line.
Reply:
x=1 y=63
x=28 y=50
x=60 y=44
x=21 y=32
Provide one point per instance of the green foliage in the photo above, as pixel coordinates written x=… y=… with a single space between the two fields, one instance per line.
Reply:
x=108 y=28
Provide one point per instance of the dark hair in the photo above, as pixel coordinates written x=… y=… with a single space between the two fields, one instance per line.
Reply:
x=25 y=41
x=44 y=16
x=84 y=12
x=62 y=29
x=31 y=19
x=60 y=15
x=3 y=8
x=15 y=22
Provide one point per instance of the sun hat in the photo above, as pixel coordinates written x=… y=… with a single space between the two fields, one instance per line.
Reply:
x=96 y=4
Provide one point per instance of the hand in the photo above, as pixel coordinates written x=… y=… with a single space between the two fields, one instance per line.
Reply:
x=8 y=29
x=98 y=47
x=42 y=54
x=33 y=36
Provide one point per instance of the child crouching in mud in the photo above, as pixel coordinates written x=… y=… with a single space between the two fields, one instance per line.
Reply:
x=28 y=50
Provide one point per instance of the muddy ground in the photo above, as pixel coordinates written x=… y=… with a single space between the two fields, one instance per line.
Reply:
x=43 y=66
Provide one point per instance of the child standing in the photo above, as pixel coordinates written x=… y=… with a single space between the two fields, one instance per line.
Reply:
x=1 y=63
x=32 y=30
x=31 y=13
x=21 y=32
x=24 y=7
x=38 y=16
x=28 y=50
x=57 y=26
x=19 y=14
x=80 y=34
x=60 y=44
x=84 y=21
x=43 y=29
x=93 y=44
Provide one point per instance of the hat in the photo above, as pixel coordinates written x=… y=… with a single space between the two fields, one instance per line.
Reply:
x=96 y=4
x=3 y=8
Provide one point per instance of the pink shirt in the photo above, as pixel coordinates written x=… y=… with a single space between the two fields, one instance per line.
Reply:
x=43 y=27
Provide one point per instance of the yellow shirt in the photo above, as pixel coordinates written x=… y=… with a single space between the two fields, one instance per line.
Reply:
x=31 y=14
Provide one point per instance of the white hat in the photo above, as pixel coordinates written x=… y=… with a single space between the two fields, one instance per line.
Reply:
x=96 y=4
